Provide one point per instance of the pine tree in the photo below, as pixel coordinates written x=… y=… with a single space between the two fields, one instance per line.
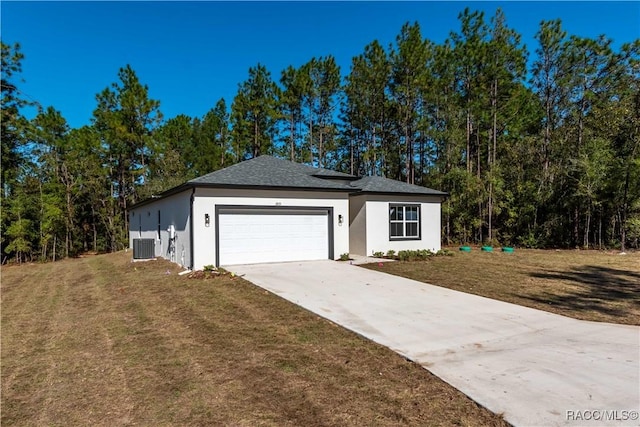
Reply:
x=125 y=119
x=254 y=114
x=294 y=83
x=367 y=111
x=17 y=228
x=409 y=65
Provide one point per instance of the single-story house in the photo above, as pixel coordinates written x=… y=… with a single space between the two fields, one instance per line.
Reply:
x=272 y=210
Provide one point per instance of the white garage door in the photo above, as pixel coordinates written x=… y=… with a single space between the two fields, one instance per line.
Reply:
x=260 y=235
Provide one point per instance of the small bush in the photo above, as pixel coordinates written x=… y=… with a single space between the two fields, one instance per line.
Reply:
x=444 y=252
x=378 y=254
x=423 y=254
x=420 y=254
x=344 y=257
x=529 y=241
x=391 y=253
x=209 y=268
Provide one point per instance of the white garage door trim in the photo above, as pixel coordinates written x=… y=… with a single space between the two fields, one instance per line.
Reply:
x=232 y=215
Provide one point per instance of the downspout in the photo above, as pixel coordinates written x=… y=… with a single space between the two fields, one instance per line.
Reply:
x=193 y=196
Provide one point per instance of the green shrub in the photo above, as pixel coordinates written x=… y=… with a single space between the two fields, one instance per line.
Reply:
x=529 y=241
x=344 y=257
x=444 y=252
x=420 y=254
x=423 y=254
x=391 y=253
x=378 y=254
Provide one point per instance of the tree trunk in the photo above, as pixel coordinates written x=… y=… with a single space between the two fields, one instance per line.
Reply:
x=625 y=199
x=256 y=150
x=351 y=144
x=422 y=158
x=490 y=196
x=223 y=139
x=468 y=156
x=623 y=214
x=600 y=230
x=449 y=221
x=124 y=203
x=95 y=230
x=408 y=143
x=490 y=211
x=492 y=153
x=42 y=240
x=311 y=131
x=586 y=229
x=292 y=130
x=576 y=226
x=320 y=148
x=479 y=176
x=547 y=139
x=478 y=157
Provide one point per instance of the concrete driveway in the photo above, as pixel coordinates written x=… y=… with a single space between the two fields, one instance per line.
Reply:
x=537 y=368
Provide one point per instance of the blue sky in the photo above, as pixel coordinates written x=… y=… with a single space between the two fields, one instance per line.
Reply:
x=191 y=54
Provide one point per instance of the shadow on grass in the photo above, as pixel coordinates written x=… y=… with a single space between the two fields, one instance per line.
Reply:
x=605 y=290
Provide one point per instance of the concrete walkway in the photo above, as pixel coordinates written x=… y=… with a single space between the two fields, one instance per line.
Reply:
x=537 y=368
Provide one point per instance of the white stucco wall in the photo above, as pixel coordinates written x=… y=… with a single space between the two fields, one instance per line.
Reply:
x=377 y=224
x=206 y=200
x=174 y=210
x=365 y=227
x=357 y=225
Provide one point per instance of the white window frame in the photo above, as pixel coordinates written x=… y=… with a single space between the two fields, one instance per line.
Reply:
x=402 y=219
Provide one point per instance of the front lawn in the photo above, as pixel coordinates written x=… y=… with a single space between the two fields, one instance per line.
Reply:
x=590 y=285
x=103 y=341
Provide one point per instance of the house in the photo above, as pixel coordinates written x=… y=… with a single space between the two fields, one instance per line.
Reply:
x=272 y=210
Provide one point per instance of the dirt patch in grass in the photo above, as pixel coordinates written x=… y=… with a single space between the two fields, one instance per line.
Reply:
x=589 y=285
x=103 y=341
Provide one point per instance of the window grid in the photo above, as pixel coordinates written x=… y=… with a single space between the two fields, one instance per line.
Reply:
x=404 y=221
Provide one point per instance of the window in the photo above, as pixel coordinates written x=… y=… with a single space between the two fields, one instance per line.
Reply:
x=404 y=222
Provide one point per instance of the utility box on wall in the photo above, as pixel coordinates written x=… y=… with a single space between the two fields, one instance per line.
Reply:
x=144 y=248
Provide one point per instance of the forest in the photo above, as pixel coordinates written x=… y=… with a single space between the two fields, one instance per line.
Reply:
x=537 y=148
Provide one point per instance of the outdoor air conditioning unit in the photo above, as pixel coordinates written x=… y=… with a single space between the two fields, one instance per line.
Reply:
x=144 y=248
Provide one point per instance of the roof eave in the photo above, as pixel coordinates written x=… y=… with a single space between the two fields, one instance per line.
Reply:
x=170 y=192
x=442 y=195
x=189 y=184
x=269 y=187
x=351 y=191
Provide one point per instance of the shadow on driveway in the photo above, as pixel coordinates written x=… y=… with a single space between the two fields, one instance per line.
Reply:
x=601 y=289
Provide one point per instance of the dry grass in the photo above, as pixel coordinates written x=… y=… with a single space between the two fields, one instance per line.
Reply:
x=588 y=285
x=103 y=341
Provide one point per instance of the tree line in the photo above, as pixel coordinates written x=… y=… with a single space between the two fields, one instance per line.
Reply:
x=536 y=153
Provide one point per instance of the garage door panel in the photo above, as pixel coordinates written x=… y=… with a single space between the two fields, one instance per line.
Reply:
x=246 y=238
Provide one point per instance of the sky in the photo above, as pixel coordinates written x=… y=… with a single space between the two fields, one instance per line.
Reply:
x=191 y=54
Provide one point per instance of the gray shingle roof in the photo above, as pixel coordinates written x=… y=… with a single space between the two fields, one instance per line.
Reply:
x=378 y=184
x=267 y=171
x=271 y=172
